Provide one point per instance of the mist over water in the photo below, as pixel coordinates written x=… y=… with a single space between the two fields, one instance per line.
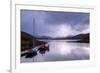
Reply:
x=62 y=51
x=57 y=24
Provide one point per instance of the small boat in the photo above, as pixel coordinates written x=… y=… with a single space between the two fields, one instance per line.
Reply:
x=30 y=54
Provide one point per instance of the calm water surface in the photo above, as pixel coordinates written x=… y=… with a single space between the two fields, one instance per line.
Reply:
x=61 y=50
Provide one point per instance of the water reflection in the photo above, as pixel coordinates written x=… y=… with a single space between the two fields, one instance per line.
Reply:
x=61 y=51
x=43 y=50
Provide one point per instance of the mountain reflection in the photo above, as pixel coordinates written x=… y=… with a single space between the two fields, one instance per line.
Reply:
x=61 y=51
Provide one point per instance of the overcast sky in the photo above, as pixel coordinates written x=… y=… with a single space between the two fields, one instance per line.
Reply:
x=54 y=24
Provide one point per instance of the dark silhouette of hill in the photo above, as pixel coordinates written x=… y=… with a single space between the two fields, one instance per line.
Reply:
x=28 y=41
x=83 y=38
x=44 y=37
x=80 y=38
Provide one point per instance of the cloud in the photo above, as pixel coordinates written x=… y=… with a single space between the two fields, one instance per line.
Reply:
x=54 y=23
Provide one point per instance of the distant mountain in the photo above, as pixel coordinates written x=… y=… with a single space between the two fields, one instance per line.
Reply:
x=83 y=38
x=28 y=41
x=25 y=35
x=80 y=37
x=44 y=37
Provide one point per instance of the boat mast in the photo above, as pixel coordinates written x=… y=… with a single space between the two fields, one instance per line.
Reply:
x=33 y=31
